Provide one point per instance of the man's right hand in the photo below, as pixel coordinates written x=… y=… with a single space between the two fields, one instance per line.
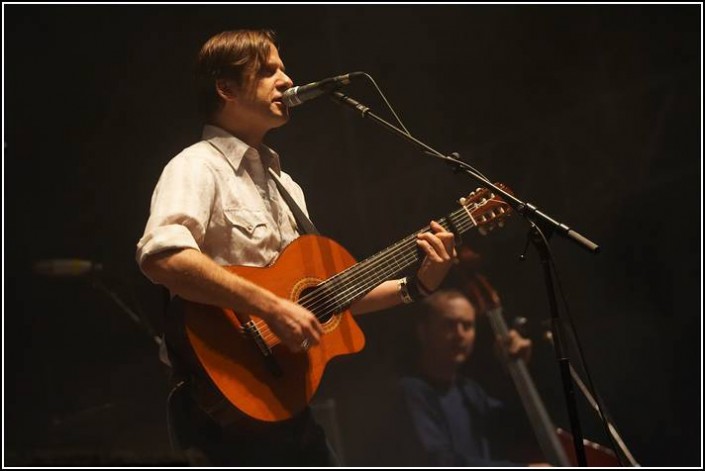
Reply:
x=296 y=326
x=193 y=276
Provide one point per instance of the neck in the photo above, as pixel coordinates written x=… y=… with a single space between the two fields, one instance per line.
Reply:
x=253 y=137
x=440 y=372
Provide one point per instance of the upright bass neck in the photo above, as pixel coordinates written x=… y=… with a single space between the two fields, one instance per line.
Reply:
x=544 y=429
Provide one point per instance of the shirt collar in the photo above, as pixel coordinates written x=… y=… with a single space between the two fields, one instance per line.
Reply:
x=233 y=149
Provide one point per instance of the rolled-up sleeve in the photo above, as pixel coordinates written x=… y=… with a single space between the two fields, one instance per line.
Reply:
x=180 y=209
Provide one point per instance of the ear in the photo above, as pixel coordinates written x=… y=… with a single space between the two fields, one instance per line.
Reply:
x=226 y=89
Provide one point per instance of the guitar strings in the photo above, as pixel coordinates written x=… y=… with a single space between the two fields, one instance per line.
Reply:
x=462 y=225
x=347 y=278
x=409 y=252
x=373 y=264
x=364 y=268
x=406 y=244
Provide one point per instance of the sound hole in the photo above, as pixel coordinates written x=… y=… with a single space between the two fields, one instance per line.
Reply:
x=314 y=299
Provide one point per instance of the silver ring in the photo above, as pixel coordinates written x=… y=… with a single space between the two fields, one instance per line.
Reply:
x=305 y=344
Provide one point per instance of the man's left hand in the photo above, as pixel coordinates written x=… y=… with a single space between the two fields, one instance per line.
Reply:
x=439 y=246
x=517 y=346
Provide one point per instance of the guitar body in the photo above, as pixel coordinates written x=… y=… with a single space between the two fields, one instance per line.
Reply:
x=235 y=364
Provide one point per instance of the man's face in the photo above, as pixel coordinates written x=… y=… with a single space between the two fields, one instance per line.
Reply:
x=449 y=333
x=259 y=101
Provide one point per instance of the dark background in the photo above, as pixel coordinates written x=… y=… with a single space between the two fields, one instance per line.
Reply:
x=590 y=112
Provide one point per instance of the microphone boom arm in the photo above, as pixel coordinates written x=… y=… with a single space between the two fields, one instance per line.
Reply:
x=527 y=210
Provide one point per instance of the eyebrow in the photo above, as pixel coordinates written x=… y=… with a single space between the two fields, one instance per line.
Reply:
x=279 y=65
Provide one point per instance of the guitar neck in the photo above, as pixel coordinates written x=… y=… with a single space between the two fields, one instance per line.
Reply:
x=351 y=284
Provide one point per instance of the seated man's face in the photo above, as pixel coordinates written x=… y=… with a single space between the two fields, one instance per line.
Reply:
x=448 y=335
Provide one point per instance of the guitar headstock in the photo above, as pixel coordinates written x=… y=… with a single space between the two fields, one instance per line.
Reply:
x=486 y=209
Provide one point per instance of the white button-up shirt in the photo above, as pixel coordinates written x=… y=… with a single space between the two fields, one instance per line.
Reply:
x=211 y=198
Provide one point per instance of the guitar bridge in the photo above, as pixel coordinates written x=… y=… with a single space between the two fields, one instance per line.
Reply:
x=254 y=334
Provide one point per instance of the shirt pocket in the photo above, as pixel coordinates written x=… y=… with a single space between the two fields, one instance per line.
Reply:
x=250 y=224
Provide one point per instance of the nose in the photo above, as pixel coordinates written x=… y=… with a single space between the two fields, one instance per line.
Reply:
x=285 y=82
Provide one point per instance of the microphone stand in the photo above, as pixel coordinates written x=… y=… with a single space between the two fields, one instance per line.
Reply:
x=594 y=404
x=542 y=226
x=102 y=287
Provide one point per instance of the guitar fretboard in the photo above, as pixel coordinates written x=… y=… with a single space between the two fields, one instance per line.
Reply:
x=338 y=292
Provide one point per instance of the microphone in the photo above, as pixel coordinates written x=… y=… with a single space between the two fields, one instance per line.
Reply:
x=299 y=94
x=66 y=267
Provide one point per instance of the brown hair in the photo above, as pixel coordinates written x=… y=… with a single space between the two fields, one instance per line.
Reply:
x=435 y=303
x=236 y=55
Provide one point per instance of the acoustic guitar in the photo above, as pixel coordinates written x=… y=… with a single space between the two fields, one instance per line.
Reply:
x=248 y=364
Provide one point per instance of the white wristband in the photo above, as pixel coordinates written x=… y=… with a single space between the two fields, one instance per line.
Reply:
x=404 y=291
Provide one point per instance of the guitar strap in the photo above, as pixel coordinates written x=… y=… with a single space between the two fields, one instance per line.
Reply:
x=305 y=226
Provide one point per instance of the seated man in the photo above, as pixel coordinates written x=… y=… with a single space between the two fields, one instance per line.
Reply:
x=451 y=414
